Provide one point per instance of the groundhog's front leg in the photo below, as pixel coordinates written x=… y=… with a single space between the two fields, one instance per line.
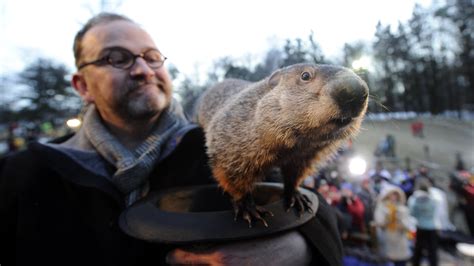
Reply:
x=297 y=200
x=249 y=211
x=292 y=196
x=240 y=190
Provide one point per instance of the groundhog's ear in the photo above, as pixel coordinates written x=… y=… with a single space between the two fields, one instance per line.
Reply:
x=274 y=79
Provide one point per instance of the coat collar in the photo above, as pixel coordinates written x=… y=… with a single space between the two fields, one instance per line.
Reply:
x=75 y=161
x=69 y=169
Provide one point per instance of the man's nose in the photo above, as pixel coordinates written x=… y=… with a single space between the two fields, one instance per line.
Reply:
x=141 y=68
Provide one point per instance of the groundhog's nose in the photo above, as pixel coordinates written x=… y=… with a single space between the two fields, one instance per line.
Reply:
x=350 y=94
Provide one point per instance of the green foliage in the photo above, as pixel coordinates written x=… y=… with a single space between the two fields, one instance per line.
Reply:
x=425 y=65
x=299 y=51
x=293 y=52
x=458 y=15
x=49 y=94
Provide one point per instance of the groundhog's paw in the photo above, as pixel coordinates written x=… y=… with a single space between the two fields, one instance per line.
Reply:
x=300 y=202
x=249 y=211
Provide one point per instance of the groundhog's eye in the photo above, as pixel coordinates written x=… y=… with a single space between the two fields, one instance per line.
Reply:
x=305 y=76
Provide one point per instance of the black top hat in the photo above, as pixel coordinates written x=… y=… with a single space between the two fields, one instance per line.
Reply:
x=205 y=214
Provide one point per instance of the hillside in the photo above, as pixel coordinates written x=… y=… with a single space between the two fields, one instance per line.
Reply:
x=443 y=137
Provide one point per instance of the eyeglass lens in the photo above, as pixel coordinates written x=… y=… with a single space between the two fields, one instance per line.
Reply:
x=124 y=59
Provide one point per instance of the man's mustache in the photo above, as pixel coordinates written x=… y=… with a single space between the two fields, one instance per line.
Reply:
x=137 y=83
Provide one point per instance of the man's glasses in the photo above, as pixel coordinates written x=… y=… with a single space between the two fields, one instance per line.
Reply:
x=124 y=59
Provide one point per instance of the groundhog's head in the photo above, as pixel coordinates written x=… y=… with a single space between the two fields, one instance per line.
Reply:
x=323 y=100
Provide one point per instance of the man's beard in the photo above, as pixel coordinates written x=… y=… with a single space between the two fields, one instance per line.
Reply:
x=140 y=105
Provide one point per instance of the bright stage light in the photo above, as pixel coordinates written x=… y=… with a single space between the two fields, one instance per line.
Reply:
x=73 y=123
x=357 y=166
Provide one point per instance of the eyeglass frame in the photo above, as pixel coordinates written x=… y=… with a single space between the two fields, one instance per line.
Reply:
x=105 y=60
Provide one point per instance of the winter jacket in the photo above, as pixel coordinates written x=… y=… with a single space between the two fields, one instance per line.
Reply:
x=423 y=207
x=393 y=223
x=54 y=211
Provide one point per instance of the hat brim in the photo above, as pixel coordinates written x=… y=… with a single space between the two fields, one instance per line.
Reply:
x=205 y=214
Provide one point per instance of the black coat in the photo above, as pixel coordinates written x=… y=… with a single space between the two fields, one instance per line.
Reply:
x=55 y=212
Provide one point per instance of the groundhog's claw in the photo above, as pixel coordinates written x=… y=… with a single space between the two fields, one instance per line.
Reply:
x=250 y=211
x=300 y=202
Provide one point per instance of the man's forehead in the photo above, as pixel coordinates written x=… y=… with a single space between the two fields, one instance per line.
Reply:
x=116 y=33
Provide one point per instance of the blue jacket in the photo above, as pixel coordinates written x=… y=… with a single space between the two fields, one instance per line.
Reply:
x=423 y=207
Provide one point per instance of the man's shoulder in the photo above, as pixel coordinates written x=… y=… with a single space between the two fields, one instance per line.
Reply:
x=26 y=161
x=191 y=142
x=193 y=135
x=16 y=158
x=186 y=165
x=17 y=170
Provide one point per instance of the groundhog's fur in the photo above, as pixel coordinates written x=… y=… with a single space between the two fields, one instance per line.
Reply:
x=282 y=121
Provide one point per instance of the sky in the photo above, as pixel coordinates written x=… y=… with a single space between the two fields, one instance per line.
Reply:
x=193 y=34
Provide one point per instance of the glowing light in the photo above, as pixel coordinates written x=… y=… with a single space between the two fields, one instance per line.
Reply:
x=73 y=123
x=362 y=63
x=357 y=166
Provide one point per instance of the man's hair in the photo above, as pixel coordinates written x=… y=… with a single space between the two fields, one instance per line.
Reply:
x=423 y=184
x=100 y=18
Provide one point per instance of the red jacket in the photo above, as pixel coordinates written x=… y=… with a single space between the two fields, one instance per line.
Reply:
x=357 y=210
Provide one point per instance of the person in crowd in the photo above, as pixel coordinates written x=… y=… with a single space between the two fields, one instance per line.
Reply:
x=423 y=207
x=329 y=192
x=380 y=177
x=386 y=147
x=352 y=205
x=407 y=180
x=11 y=138
x=459 y=164
x=417 y=128
x=391 y=146
x=427 y=152
x=407 y=183
x=368 y=197
x=442 y=220
x=60 y=201
x=468 y=202
x=393 y=222
x=423 y=172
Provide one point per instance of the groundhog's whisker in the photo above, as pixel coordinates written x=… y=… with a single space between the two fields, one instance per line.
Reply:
x=378 y=102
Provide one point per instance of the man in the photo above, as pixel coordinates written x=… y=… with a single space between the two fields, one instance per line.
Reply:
x=60 y=201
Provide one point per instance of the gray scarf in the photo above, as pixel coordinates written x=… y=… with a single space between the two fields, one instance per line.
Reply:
x=133 y=166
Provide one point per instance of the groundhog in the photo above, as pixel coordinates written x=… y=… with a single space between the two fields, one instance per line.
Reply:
x=295 y=119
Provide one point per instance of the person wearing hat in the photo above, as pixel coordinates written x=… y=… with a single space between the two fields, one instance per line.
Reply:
x=393 y=222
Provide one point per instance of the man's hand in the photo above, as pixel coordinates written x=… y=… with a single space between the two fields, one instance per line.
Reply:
x=289 y=248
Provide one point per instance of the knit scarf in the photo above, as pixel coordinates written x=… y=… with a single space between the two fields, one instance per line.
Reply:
x=133 y=166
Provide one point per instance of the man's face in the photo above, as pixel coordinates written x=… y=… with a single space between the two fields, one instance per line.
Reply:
x=138 y=93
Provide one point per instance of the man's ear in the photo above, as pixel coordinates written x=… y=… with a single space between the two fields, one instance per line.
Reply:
x=79 y=83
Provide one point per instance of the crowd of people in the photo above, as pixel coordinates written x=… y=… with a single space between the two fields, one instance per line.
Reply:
x=16 y=136
x=400 y=213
